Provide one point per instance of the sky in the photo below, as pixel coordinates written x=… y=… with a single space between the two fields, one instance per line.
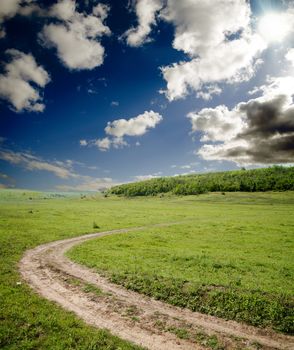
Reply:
x=97 y=93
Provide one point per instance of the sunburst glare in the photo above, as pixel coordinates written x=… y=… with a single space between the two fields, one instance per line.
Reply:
x=274 y=27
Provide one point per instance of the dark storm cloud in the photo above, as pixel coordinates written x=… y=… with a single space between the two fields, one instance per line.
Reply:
x=268 y=135
x=268 y=118
x=270 y=131
x=265 y=151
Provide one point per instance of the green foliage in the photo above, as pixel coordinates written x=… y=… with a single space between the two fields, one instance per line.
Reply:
x=275 y=178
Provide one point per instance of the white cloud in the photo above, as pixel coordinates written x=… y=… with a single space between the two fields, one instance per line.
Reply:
x=16 y=82
x=9 y=182
x=118 y=129
x=31 y=162
x=232 y=61
x=103 y=144
x=118 y=142
x=217 y=37
x=275 y=86
x=61 y=169
x=8 y=9
x=63 y=10
x=259 y=131
x=185 y=166
x=290 y=56
x=282 y=22
x=89 y=184
x=202 y=25
x=83 y=143
x=75 y=37
x=106 y=143
x=208 y=91
x=136 y=126
x=147 y=177
x=216 y=124
x=3 y=176
x=146 y=13
x=114 y=103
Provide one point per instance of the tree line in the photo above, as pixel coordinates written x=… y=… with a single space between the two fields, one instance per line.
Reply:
x=276 y=178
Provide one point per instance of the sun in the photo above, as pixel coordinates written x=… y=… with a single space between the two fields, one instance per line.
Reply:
x=274 y=27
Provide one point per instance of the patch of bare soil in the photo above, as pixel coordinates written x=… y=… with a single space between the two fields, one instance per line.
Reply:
x=129 y=315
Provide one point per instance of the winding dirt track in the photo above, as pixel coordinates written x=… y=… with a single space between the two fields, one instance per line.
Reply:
x=127 y=314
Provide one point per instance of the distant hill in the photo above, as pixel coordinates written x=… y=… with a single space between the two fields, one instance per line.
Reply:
x=276 y=178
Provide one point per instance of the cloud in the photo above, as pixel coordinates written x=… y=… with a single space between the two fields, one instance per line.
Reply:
x=260 y=131
x=208 y=91
x=118 y=129
x=83 y=143
x=30 y=162
x=63 y=10
x=201 y=25
x=103 y=144
x=147 y=177
x=10 y=8
x=216 y=124
x=136 y=126
x=275 y=86
x=9 y=181
x=290 y=56
x=218 y=38
x=189 y=166
x=89 y=184
x=282 y=22
x=232 y=61
x=146 y=13
x=114 y=103
x=21 y=82
x=3 y=176
x=216 y=35
x=62 y=169
x=75 y=35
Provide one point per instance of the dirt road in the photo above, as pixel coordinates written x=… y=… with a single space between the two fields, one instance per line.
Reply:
x=129 y=315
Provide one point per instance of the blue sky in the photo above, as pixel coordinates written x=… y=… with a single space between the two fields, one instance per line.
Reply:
x=98 y=93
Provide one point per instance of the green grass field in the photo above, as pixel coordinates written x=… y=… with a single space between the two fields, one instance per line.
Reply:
x=233 y=246
x=233 y=260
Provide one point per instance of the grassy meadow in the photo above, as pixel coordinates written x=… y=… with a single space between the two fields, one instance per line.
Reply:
x=231 y=247
x=234 y=259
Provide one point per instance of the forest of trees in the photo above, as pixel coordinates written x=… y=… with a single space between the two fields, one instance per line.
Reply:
x=276 y=178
